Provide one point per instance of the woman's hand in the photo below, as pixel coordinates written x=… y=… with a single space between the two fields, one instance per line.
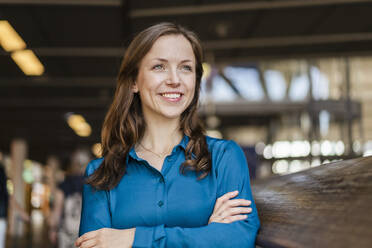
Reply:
x=227 y=211
x=107 y=237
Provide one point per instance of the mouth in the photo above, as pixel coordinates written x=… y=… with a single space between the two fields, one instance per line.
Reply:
x=172 y=96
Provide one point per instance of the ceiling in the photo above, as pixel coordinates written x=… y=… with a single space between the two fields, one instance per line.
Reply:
x=81 y=42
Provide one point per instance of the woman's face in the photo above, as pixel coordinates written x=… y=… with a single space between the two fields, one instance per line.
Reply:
x=166 y=77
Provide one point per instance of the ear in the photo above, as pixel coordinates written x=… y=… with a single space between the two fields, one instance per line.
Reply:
x=135 y=88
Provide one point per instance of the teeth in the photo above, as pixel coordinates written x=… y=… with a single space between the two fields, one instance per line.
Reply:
x=174 y=95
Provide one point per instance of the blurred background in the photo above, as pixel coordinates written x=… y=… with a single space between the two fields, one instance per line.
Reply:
x=289 y=80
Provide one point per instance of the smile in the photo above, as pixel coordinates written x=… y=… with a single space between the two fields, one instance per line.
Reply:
x=172 y=97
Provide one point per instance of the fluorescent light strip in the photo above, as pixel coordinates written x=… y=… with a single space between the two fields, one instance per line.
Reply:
x=28 y=62
x=9 y=39
x=79 y=125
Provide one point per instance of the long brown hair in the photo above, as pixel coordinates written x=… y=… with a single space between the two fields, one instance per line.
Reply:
x=124 y=124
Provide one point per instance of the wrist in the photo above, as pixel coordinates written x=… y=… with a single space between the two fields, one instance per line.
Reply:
x=131 y=234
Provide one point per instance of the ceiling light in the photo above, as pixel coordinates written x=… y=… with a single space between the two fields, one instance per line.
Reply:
x=281 y=149
x=28 y=62
x=207 y=69
x=267 y=152
x=74 y=120
x=280 y=167
x=97 y=150
x=9 y=39
x=339 y=148
x=79 y=125
x=326 y=148
x=83 y=130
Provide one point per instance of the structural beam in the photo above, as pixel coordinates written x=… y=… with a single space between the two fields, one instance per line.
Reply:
x=249 y=108
x=248 y=59
x=54 y=102
x=190 y=10
x=47 y=115
x=80 y=51
x=288 y=78
x=241 y=107
x=229 y=82
x=265 y=108
x=286 y=41
x=64 y=2
x=93 y=82
x=19 y=151
x=77 y=51
x=263 y=82
x=234 y=7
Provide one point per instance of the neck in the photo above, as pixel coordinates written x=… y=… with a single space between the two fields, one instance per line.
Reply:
x=161 y=134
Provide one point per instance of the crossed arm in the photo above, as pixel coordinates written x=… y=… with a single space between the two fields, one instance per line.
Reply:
x=233 y=223
x=226 y=210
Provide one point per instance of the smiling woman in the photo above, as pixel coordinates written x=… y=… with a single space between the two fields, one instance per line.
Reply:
x=162 y=182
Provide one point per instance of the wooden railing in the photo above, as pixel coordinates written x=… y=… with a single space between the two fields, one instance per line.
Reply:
x=326 y=206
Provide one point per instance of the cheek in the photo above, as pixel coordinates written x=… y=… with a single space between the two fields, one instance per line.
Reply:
x=191 y=87
x=191 y=92
x=190 y=82
x=147 y=80
x=145 y=86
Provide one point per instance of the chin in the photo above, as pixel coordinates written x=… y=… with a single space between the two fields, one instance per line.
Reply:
x=171 y=114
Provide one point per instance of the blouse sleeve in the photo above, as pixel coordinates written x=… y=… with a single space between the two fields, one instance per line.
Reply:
x=95 y=213
x=232 y=174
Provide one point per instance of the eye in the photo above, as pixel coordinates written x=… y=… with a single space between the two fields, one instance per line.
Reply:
x=158 y=67
x=187 y=68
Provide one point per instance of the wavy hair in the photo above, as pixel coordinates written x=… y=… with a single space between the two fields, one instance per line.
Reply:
x=124 y=124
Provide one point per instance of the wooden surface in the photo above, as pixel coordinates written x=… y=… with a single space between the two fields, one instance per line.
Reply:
x=326 y=206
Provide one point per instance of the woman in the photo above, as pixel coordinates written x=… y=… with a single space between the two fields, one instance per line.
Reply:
x=162 y=182
x=65 y=214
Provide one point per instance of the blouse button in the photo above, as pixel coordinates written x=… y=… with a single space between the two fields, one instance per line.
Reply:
x=160 y=203
x=161 y=180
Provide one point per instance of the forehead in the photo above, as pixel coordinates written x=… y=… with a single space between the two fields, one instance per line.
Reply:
x=171 y=47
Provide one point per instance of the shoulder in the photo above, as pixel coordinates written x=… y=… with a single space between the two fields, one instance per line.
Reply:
x=92 y=166
x=227 y=154
x=218 y=146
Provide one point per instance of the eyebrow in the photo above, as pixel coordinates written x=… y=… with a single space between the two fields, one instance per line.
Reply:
x=165 y=60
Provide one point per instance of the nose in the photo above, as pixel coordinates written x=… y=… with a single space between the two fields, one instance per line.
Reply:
x=173 y=78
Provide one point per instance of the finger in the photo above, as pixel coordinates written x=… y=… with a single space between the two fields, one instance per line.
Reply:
x=88 y=243
x=231 y=204
x=234 y=218
x=221 y=200
x=85 y=237
x=238 y=202
x=216 y=219
x=224 y=198
x=234 y=203
x=235 y=211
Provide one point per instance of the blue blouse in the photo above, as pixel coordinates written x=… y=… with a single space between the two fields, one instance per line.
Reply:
x=169 y=209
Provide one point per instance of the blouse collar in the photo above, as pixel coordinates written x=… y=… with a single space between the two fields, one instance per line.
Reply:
x=183 y=143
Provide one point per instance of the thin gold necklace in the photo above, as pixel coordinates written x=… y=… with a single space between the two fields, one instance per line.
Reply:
x=157 y=154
